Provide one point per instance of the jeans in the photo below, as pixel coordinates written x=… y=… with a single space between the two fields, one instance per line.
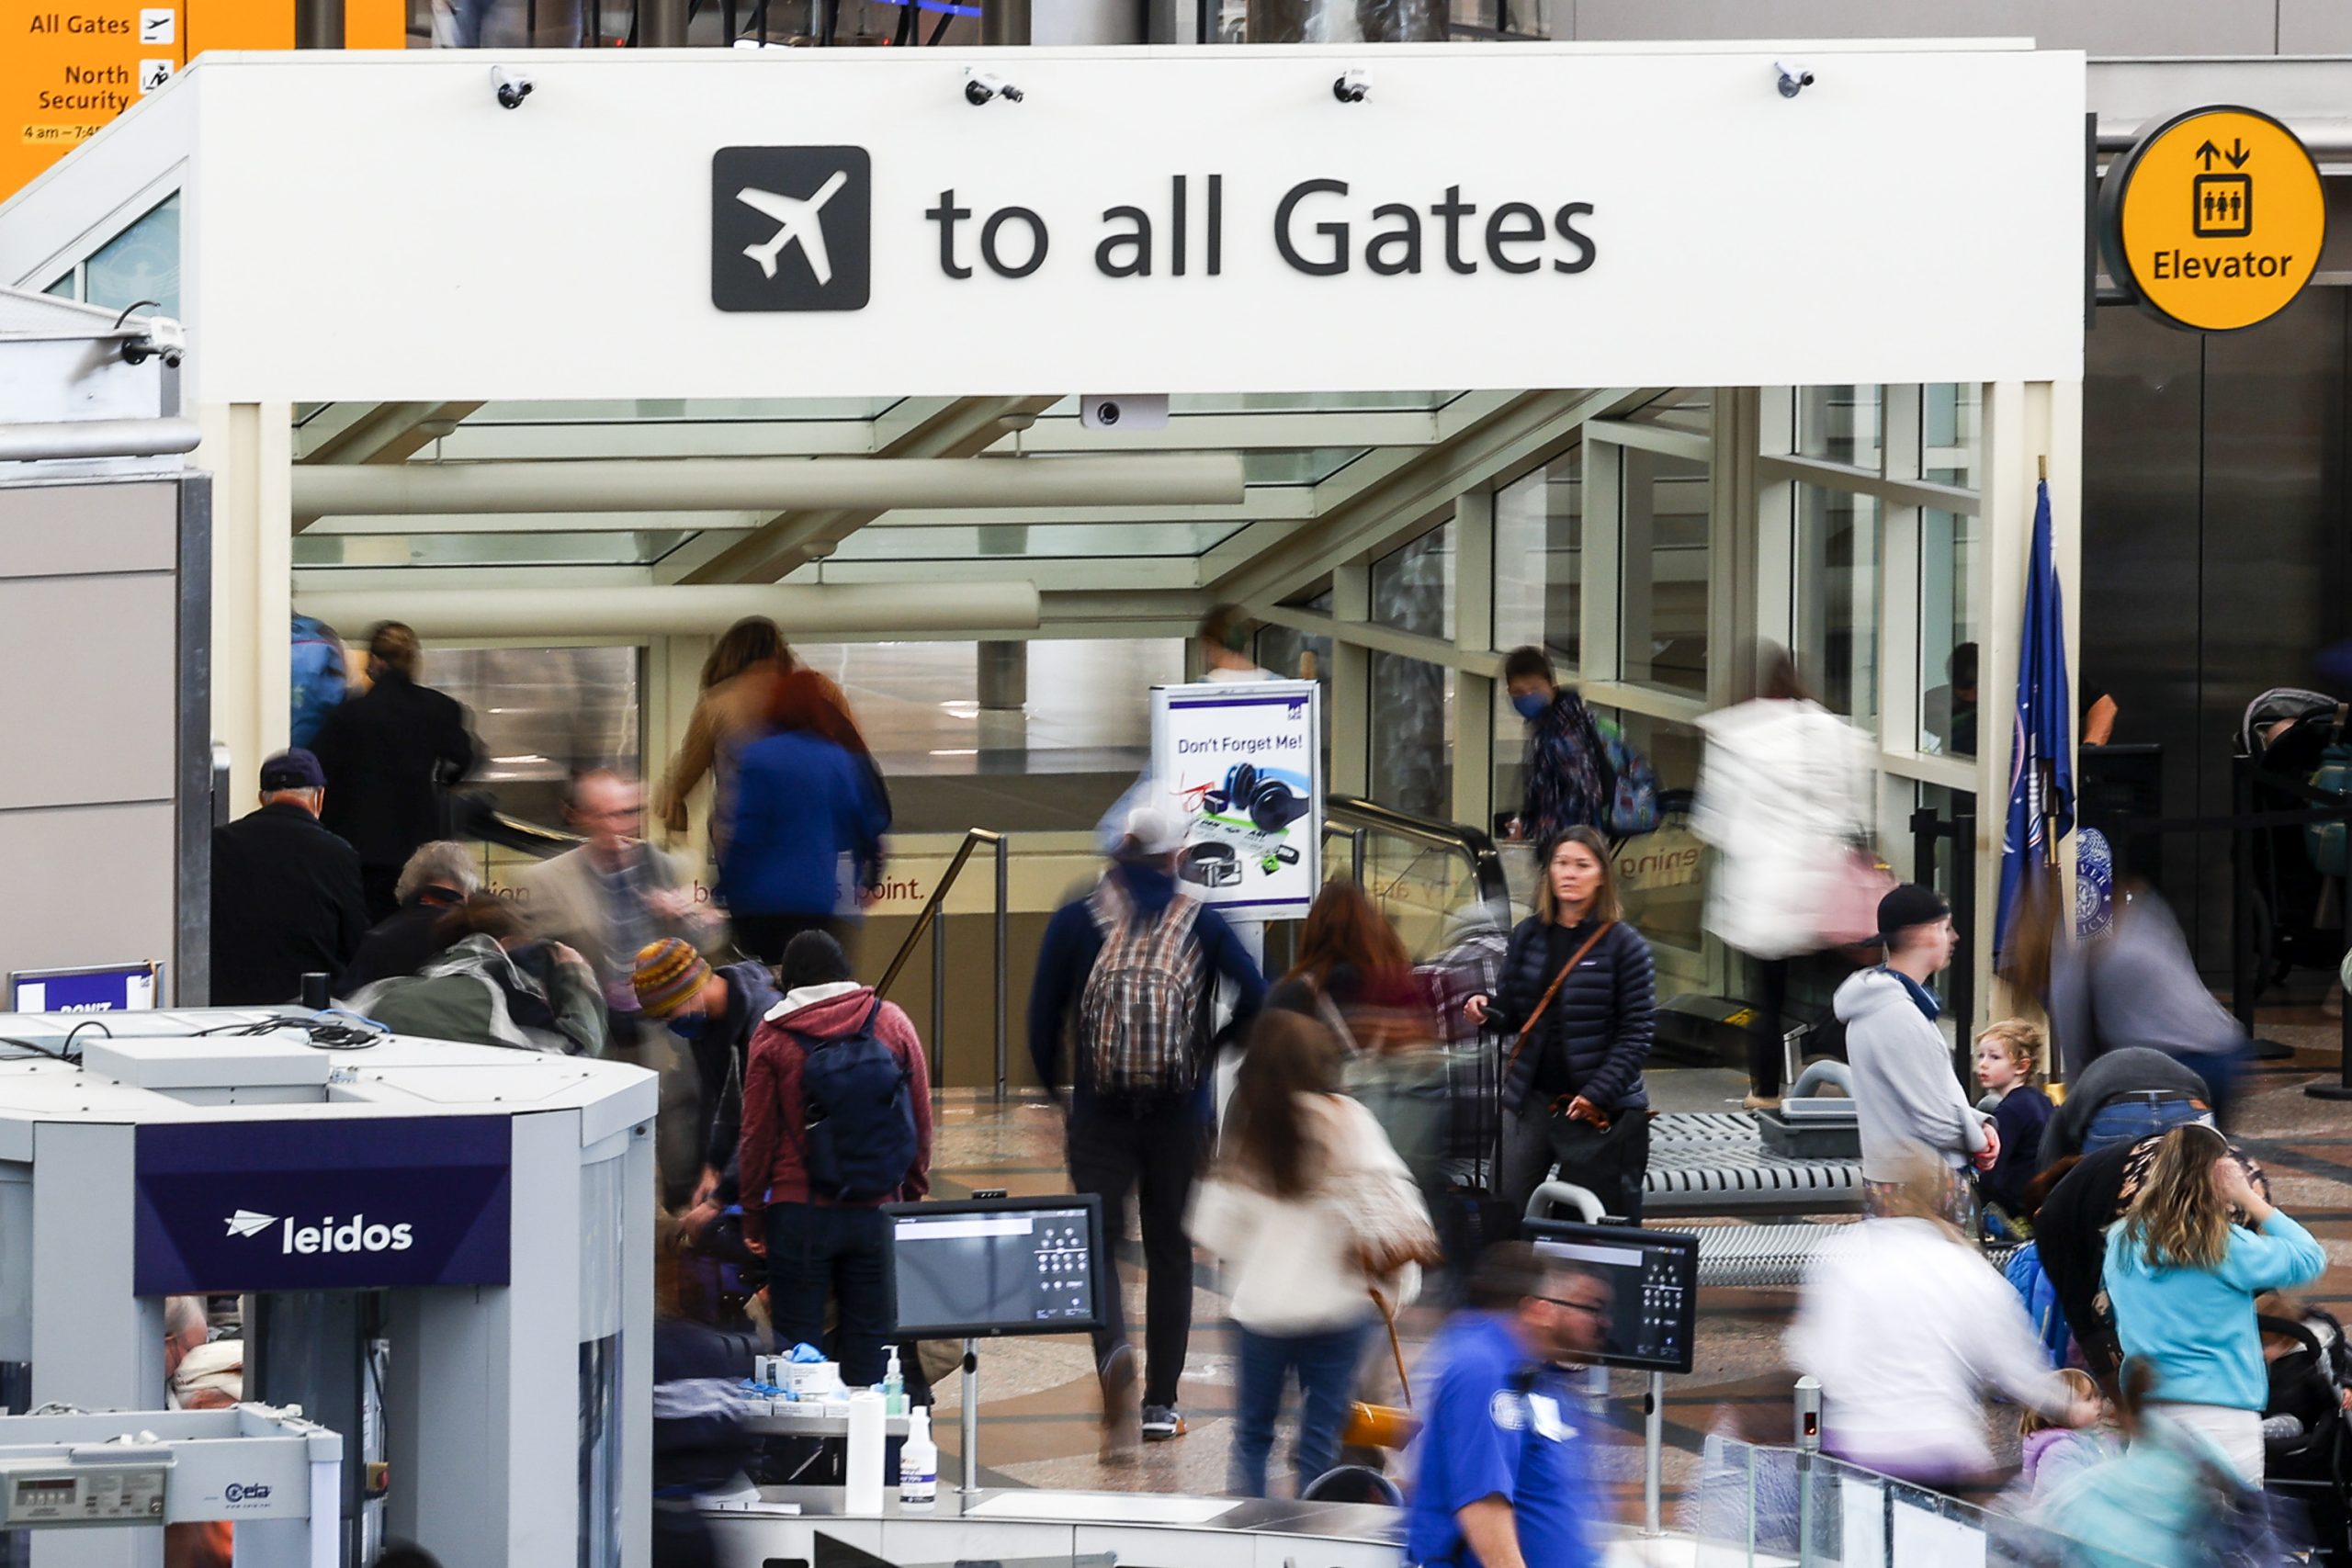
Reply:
x=2129 y=1121
x=1155 y=1154
x=814 y=1251
x=1326 y=1364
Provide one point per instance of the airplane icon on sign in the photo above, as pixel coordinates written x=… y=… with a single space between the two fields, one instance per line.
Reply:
x=244 y=1221
x=799 y=222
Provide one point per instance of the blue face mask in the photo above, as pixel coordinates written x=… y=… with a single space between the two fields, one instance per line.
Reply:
x=1530 y=705
x=688 y=1026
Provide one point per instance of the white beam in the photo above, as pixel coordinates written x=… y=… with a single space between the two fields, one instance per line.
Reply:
x=672 y=611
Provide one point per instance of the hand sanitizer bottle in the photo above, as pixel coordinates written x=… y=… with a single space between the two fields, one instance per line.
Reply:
x=918 y=1466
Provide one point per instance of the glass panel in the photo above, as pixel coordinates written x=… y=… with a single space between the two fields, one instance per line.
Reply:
x=1412 y=589
x=1311 y=466
x=1665 y=607
x=1539 y=560
x=543 y=715
x=1952 y=432
x=1302 y=656
x=140 y=263
x=1947 y=633
x=1837 y=599
x=1841 y=424
x=1412 y=739
x=62 y=289
x=638 y=547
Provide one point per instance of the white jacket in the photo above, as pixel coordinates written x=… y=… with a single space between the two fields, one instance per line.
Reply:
x=1289 y=1262
x=1782 y=789
x=1903 y=1326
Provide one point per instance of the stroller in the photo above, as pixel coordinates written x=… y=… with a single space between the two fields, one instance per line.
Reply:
x=2298 y=909
x=2307 y=1438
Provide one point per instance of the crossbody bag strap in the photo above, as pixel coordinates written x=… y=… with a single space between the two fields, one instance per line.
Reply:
x=1527 y=1030
x=1395 y=1346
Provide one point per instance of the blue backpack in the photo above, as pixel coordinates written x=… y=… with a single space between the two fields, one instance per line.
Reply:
x=320 y=680
x=1633 y=785
x=859 y=1117
x=2040 y=1297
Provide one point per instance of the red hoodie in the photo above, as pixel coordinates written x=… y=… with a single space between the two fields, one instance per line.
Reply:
x=772 y=1153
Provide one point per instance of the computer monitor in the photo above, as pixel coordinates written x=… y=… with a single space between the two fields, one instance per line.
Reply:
x=1655 y=1276
x=991 y=1266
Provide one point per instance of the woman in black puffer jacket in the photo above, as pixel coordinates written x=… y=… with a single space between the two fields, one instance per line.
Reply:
x=1583 y=1059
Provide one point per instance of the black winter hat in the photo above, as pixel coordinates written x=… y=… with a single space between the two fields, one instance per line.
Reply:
x=1908 y=906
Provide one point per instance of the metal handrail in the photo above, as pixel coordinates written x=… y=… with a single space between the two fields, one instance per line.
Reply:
x=1353 y=816
x=930 y=920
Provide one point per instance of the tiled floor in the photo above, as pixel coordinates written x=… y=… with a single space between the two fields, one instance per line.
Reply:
x=1039 y=1407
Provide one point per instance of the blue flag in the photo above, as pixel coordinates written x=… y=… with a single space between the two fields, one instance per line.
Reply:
x=2041 y=751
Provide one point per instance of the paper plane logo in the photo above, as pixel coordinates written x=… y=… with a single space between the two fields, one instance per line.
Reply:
x=791 y=228
x=244 y=1221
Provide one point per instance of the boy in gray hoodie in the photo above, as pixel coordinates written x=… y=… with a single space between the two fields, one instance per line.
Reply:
x=1906 y=1094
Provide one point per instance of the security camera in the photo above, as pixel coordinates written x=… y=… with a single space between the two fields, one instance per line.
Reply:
x=1794 y=79
x=164 y=339
x=980 y=86
x=513 y=87
x=1354 y=87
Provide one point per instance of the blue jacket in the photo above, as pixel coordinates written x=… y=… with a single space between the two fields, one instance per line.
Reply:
x=1501 y=1425
x=800 y=803
x=1072 y=942
x=2195 y=1326
x=1602 y=1023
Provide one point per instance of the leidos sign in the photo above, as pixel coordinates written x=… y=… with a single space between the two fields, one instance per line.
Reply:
x=2214 y=218
x=334 y=1205
x=806 y=213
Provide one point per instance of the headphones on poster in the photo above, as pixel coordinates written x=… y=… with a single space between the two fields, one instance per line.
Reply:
x=1269 y=803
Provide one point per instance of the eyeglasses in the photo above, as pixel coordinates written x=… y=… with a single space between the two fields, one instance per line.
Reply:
x=1585 y=1307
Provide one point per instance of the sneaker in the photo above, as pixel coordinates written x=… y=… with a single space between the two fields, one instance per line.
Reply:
x=1162 y=1423
x=1121 y=1436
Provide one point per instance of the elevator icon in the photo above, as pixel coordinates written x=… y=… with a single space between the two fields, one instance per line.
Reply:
x=2221 y=206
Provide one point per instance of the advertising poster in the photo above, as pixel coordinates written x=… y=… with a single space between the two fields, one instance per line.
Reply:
x=1241 y=764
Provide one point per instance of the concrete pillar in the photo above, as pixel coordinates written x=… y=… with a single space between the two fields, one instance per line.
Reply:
x=1004 y=696
x=1351 y=684
x=1474 y=632
x=249 y=449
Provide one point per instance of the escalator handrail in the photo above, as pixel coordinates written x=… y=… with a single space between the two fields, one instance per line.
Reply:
x=1343 y=812
x=478 y=817
x=973 y=838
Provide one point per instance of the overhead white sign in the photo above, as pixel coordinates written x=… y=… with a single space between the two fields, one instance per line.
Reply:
x=839 y=222
x=1240 y=763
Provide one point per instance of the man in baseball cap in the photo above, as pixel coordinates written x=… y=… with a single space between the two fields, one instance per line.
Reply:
x=1906 y=1094
x=286 y=899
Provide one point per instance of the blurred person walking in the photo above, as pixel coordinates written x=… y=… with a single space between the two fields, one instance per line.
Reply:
x=1566 y=781
x=1321 y=1232
x=493 y=983
x=1125 y=975
x=2199 y=1244
x=436 y=879
x=837 y=1121
x=286 y=900
x=738 y=688
x=1905 y=1093
x=1903 y=1322
x=1579 y=993
x=1502 y=1478
x=1224 y=639
x=615 y=894
x=1784 y=791
x=2138 y=984
x=389 y=753
x=807 y=795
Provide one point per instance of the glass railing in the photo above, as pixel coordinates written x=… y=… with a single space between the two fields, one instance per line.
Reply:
x=1755 y=1506
x=1421 y=870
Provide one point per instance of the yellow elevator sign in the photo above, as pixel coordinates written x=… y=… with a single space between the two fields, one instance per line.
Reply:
x=2214 y=218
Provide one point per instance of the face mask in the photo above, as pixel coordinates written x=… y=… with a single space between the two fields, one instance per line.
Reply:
x=688 y=1026
x=1530 y=705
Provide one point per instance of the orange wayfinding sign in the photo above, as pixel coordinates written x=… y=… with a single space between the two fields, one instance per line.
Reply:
x=2214 y=218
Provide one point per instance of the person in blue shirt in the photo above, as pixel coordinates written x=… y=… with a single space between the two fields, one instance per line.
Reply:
x=2183 y=1267
x=1502 y=1478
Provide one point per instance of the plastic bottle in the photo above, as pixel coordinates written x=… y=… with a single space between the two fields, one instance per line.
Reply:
x=894 y=1387
x=918 y=1466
